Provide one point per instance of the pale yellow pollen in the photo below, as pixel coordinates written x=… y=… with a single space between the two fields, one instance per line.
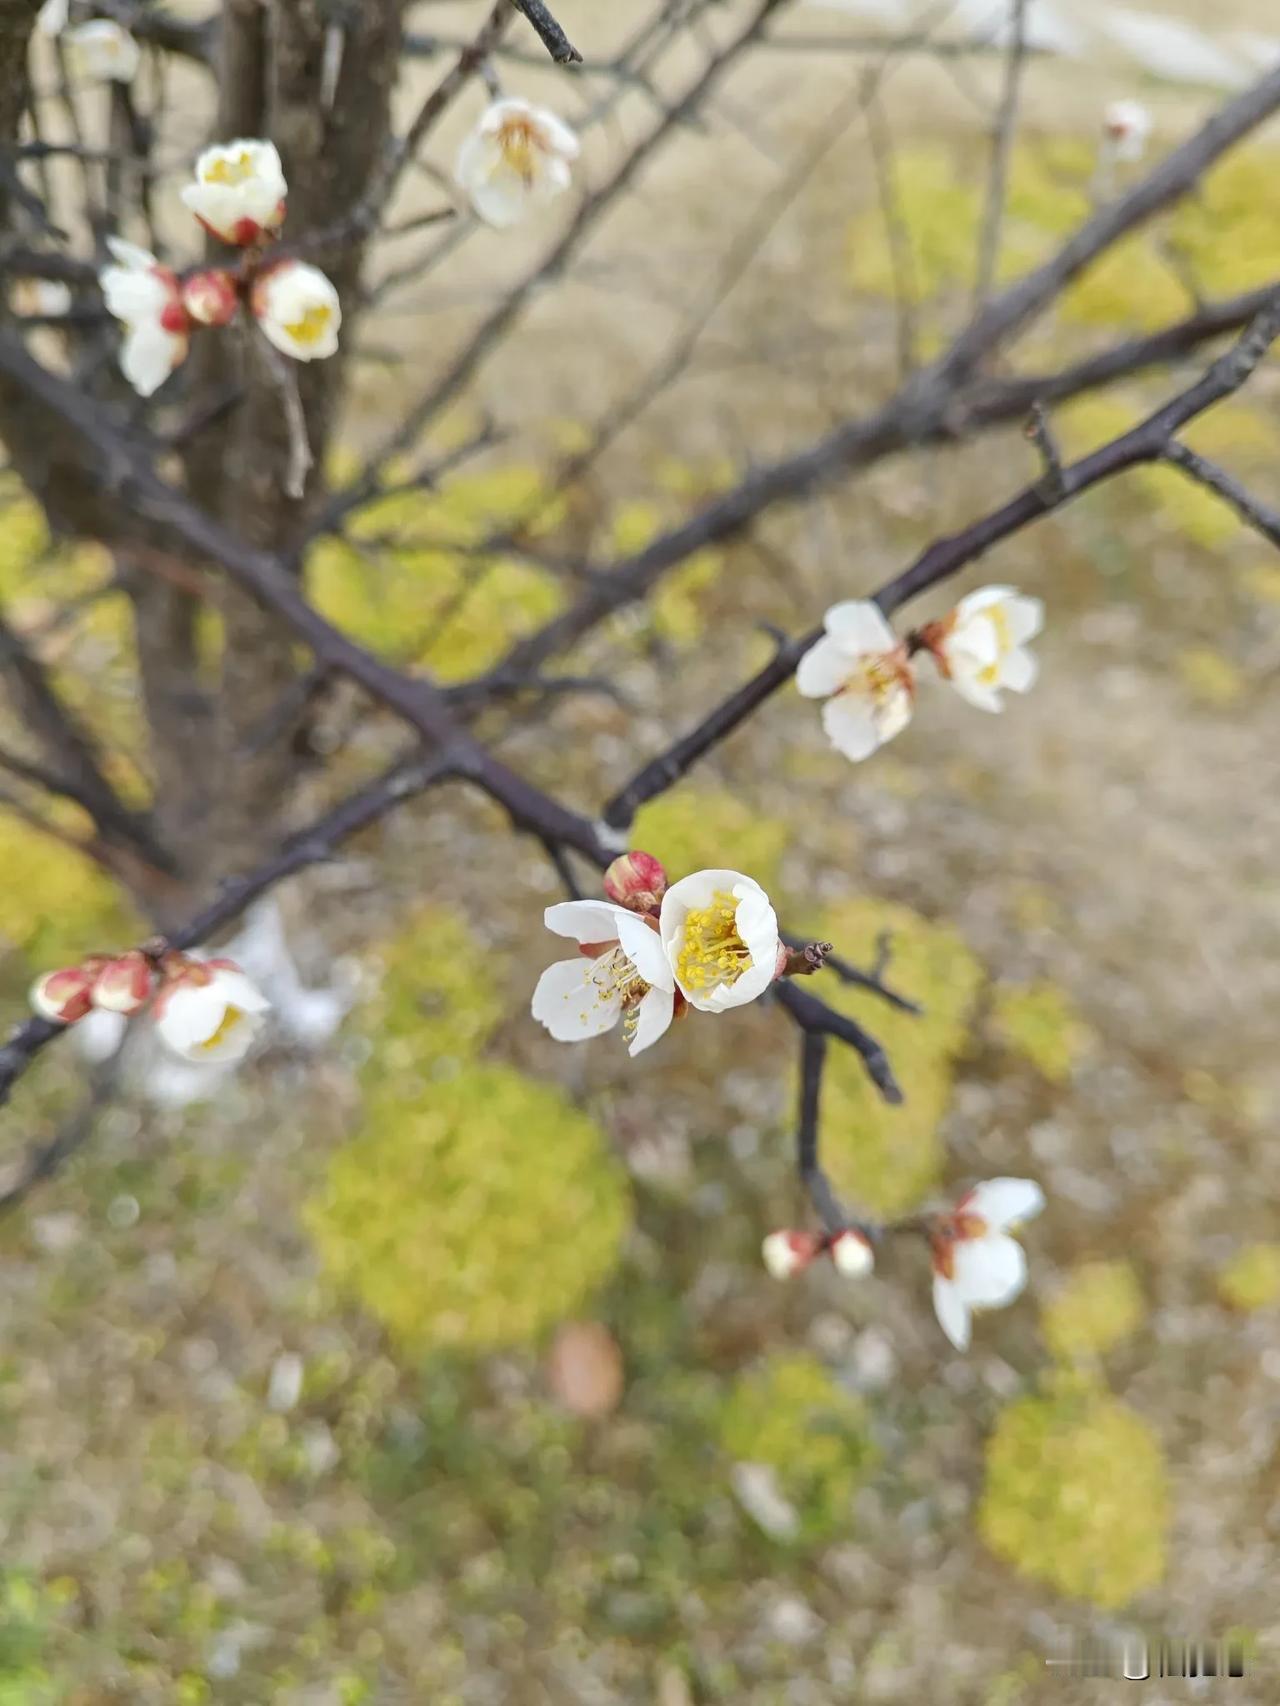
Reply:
x=226 y=1025
x=615 y=979
x=520 y=144
x=712 y=952
x=311 y=326
x=236 y=170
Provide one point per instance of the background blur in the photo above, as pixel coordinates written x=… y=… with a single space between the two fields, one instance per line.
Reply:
x=439 y=1365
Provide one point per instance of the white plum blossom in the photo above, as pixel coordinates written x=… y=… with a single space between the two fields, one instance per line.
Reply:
x=852 y=1253
x=239 y=190
x=981 y=647
x=861 y=668
x=147 y=299
x=788 y=1252
x=210 y=1012
x=1126 y=129
x=516 y=159
x=621 y=975
x=721 y=939
x=104 y=50
x=976 y=1264
x=298 y=310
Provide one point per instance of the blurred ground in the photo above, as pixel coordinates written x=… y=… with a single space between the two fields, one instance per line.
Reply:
x=277 y=1418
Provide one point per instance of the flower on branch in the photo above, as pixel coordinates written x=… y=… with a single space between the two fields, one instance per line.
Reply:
x=981 y=647
x=208 y=1010
x=298 y=310
x=124 y=983
x=1126 y=129
x=788 y=1253
x=862 y=670
x=721 y=938
x=66 y=995
x=621 y=974
x=147 y=298
x=976 y=1264
x=104 y=50
x=637 y=881
x=516 y=159
x=210 y=297
x=852 y=1254
x=239 y=191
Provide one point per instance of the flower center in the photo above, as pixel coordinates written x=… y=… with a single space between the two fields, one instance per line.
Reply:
x=311 y=326
x=520 y=145
x=229 y=1022
x=879 y=678
x=236 y=170
x=712 y=951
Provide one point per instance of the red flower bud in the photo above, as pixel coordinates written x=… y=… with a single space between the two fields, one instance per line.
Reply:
x=65 y=996
x=788 y=1252
x=210 y=297
x=637 y=881
x=124 y=984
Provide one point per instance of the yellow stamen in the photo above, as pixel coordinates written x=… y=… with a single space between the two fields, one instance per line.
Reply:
x=233 y=171
x=712 y=951
x=520 y=144
x=227 y=1024
x=312 y=326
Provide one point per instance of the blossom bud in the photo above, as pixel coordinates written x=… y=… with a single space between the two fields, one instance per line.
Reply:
x=852 y=1254
x=637 y=881
x=788 y=1252
x=210 y=297
x=124 y=984
x=66 y=995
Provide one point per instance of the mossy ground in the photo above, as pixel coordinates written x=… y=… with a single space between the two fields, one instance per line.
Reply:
x=1080 y=894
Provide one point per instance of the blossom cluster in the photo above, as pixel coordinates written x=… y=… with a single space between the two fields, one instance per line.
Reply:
x=650 y=952
x=977 y=1263
x=866 y=673
x=239 y=196
x=206 y=1011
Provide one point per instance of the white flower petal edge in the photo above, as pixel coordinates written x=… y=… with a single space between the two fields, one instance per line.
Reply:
x=1004 y=1203
x=145 y=297
x=52 y=17
x=952 y=1312
x=517 y=158
x=570 y=1004
x=733 y=929
x=103 y=49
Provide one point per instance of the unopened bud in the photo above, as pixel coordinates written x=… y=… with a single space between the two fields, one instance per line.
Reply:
x=124 y=984
x=66 y=995
x=637 y=881
x=210 y=297
x=787 y=1253
x=852 y=1254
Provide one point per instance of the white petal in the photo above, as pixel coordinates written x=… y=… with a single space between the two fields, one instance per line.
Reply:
x=102 y=48
x=851 y=725
x=149 y=355
x=557 y=134
x=989 y=1272
x=189 y=1016
x=893 y=713
x=237 y=990
x=642 y=945
x=130 y=255
x=974 y=641
x=824 y=669
x=967 y=679
x=585 y=920
x=1025 y=617
x=133 y=296
x=860 y=626
x=52 y=17
x=568 y=1002
x=952 y=1312
x=1019 y=670
x=233 y=1041
x=503 y=199
x=973 y=603
x=653 y=1018
x=1004 y=1203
